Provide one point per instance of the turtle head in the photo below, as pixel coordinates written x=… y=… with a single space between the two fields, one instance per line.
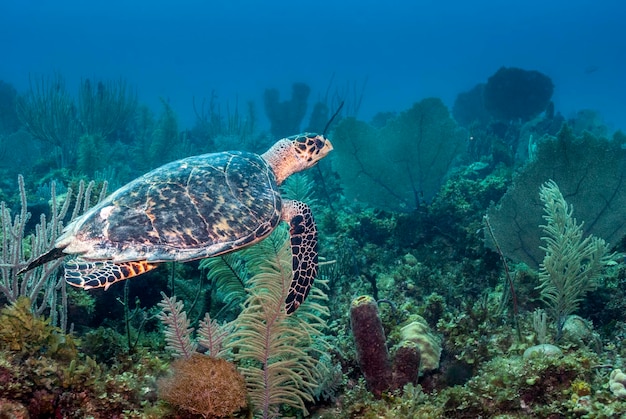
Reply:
x=294 y=154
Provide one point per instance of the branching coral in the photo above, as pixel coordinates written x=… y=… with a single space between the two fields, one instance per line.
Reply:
x=49 y=114
x=17 y=251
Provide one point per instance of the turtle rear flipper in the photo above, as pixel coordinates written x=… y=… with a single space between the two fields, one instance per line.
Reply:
x=53 y=254
x=96 y=274
x=303 y=234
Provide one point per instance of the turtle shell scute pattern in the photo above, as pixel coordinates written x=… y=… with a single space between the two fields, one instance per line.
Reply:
x=192 y=208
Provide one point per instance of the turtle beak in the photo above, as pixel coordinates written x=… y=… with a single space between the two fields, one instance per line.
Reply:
x=328 y=145
x=324 y=146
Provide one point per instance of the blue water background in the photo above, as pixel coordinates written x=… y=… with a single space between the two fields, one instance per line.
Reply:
x=405 y=50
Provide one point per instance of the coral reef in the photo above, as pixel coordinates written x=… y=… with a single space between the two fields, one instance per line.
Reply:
x=451 y=329
x=23 y=333
x=50 y=114
x=42 y=370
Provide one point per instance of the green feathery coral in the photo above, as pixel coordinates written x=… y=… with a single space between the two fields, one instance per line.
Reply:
x=572 y=264
x=299 y=187
x=275 y=352
x=227 y=274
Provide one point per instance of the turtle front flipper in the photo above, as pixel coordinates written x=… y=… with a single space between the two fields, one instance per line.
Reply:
x=95 y=274
x=303 y=234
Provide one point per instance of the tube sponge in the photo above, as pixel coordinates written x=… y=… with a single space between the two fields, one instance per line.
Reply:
x=406 y=364
x=371 y=348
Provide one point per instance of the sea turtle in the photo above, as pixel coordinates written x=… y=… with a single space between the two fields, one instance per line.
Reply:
x=194 y=208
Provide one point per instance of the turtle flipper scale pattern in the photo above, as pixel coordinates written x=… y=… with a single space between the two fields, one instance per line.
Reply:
x=303 y=233
x=96 y=274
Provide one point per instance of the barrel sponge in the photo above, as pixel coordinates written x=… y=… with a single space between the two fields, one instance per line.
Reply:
x=513 y=93
x=370 y=342
x=418 y=332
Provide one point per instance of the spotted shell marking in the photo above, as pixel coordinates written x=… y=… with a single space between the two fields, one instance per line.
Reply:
x=192 y=208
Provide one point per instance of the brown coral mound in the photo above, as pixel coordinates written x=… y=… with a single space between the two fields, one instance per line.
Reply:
x=205 y=385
